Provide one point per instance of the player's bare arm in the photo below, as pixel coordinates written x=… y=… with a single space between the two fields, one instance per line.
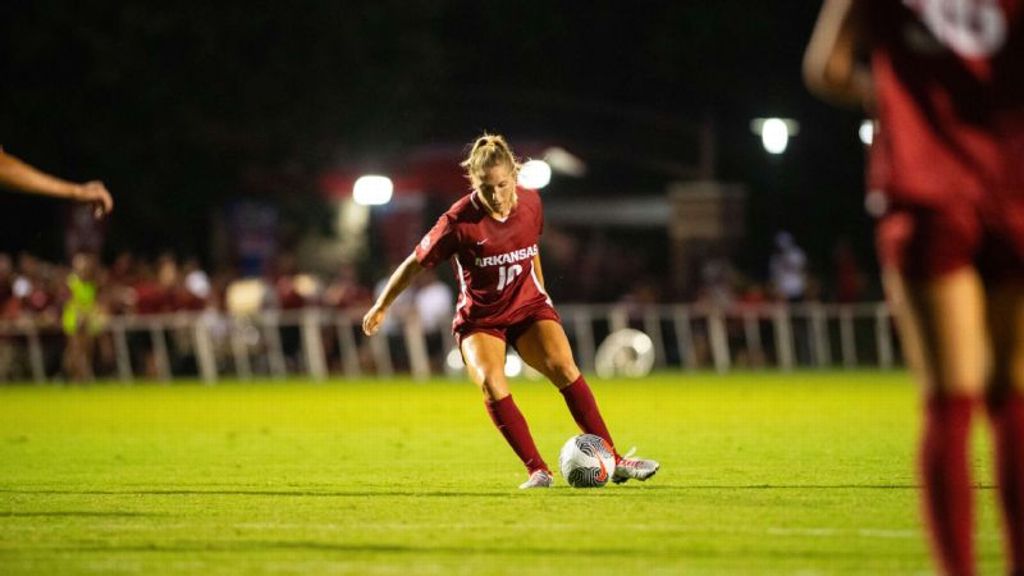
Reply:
x=19 y=176
x=399 y=281
x=538 y=271
x=830 y=66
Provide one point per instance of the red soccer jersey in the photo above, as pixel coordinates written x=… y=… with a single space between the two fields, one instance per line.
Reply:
x=949 y=83
x=493 y=259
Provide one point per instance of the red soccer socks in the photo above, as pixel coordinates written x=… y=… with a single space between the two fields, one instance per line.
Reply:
x=512 y=425
x=948 y=502
x=1006 y=412
x=584 y=411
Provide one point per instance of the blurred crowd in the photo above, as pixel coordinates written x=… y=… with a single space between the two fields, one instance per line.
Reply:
x=70 y=304
x=33 y=288
x=787 y=276
x=30 y=287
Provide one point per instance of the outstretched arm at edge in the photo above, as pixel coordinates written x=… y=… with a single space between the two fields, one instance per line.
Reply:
x=399 y=281
x=17 y=175
x=830 y=66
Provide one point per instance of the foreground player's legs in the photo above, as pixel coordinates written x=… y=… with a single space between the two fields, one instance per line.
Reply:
x=545 y=347
x=941 y=322
x=485 y=361
x=1006 y=411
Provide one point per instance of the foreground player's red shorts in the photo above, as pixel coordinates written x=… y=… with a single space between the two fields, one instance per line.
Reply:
x=926 y=242
x=509 y=333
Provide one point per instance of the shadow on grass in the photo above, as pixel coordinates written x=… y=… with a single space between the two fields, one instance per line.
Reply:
x=77 y=513
x=611 y=492
x=569 y=550
x=286 y=493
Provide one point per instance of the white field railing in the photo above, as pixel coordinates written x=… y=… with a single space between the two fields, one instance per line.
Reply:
x=319 y=343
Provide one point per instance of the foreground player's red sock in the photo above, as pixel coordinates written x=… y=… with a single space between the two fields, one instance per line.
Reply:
x=1007 y=415
x=512 y=425
x=948 y=502
x=584 y=411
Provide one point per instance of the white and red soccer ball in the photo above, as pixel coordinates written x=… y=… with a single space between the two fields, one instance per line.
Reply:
x=586 y=461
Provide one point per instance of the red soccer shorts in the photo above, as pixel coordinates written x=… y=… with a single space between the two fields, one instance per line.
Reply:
x=926 y=242
x=509 y=333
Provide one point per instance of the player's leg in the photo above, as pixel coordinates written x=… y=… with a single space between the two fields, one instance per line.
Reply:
x=941 y=322
x=484 y=356
x=544 y=346
x=1006 y=410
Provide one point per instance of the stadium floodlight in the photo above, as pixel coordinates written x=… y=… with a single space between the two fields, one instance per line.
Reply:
x=775 y=133
x=372 y=190
x=565 y=162
x=867 y=132
x=534 y=174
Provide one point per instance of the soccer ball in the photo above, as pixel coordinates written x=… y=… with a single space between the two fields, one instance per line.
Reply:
x=586 y=461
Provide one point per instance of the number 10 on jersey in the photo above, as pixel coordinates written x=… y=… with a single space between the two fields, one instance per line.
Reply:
x=508 y=273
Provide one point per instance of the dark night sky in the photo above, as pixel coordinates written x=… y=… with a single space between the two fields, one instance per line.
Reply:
x=180 y=107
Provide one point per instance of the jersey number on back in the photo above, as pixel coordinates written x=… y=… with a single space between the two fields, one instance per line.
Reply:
x=971 y=28
x=506 y=274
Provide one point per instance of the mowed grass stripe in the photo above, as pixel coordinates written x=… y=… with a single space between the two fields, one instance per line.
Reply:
x=762 y=474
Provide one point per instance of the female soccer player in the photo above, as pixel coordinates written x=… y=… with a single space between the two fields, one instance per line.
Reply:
x=491 y=237
x=17 y=175
x=947 y=82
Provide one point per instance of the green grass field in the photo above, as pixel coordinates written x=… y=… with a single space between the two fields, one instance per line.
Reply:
x=809 y=473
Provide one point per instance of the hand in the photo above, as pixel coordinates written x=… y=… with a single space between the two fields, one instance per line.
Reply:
x=373 y=319
x=96 y=194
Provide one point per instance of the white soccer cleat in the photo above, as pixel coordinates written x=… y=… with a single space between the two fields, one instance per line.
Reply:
x=629 y=468
x=538 y=479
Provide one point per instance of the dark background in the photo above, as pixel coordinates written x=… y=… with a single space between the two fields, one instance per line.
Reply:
x=181 y=108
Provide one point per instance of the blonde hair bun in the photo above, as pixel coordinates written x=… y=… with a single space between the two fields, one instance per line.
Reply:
x=488 y=150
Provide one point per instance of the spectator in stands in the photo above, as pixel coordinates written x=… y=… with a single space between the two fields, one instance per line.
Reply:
x=751 y=298
x=287 y=295
x=434 y=302
x=643 y=293
x=788 y=267
x=28 y=277
x=124 y=270
x=7 y=279
x=282 y=277
x=402 y=308
x=345 y=290
x=39 y=293
x=81 y=318
x=8 y=306
x=151 y=293
x=718 y=279
x=193 y=290
x=849 y=278
x=161 y=286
